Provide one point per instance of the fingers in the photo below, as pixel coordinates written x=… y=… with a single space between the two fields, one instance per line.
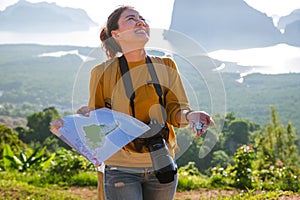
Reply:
x=207 y=119
x=199 y=121
x=55 y=131
x=211 y=122
x=84 y=111
x=57 y=124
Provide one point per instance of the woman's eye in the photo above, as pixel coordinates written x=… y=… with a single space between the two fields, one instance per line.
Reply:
x=135 y=19
x=132 y=18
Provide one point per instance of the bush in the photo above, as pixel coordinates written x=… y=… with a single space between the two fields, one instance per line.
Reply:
x=242 y=170
x=84 y=179
x=67 y=161
x=190 y=178
x=279 y=178
x=219 y=177
x=24 y=162
x=66 y=165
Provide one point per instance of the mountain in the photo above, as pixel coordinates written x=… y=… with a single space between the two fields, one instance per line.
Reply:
x=291 y=26
x=218 y=24
x=285 y=20
x=292 y=33
x=43 y=17
x=34 y=75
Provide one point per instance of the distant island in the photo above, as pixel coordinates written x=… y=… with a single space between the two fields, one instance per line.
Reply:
x=43 y=17
x=232 y=24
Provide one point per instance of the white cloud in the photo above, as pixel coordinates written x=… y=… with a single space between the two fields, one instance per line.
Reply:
x=275 y=8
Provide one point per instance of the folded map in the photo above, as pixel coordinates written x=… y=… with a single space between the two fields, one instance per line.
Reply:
x=101 y=134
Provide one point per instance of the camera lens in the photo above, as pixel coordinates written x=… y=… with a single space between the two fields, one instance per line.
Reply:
x=155 y=140
x=163 y=164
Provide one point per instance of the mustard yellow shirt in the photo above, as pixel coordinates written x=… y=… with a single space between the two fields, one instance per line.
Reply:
x=107 y=87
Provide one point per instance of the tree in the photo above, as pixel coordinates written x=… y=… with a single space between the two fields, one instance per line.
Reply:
x=8 y=136
x=39 y=133
x=237 y=135
x=276 y=144
x=39 y=123
x=220 y=158
x=292 y=155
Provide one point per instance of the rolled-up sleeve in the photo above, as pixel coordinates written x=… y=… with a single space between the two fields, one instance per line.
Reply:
x=176 y=98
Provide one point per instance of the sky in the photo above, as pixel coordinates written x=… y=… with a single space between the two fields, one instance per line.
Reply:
x=100 y=10
x=157 y=12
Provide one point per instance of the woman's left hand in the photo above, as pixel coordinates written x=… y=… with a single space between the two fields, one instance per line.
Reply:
x=199 y=120
x=55 y=125
x=84 y=110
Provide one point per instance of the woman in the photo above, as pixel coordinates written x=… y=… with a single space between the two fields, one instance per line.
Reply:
x=153 y=95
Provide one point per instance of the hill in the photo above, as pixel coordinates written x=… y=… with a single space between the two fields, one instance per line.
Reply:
x=43 y=17
x=42 y=81
x=292 y=33
x=230 y=24
x=285 y=20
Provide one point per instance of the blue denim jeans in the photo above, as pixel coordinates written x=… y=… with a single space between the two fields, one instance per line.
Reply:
x=125 y=183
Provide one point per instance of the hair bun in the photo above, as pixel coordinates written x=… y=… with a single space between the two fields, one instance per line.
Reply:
x=103 y=34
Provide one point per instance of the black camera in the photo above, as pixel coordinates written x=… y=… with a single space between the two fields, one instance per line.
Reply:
x=155 y=141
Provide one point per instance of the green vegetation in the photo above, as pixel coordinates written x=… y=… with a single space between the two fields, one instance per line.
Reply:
x=11 y=189
x=30 y=82
x=23 y=163
x=255 y=154
x=265 y=163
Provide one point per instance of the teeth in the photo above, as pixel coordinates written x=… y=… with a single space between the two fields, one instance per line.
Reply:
x=140 y=31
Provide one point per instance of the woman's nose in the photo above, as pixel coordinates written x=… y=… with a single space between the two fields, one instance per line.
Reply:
x=141 y=23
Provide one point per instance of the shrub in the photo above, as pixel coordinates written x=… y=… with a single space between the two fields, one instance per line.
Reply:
x=190 y=178
x=24 y=162
x=84 y=179
x=279 y=178
x=66 y=165
x=219 y=177
x=242 y=170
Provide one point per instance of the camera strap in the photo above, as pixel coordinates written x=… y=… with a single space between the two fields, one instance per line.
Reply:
x=129 y=86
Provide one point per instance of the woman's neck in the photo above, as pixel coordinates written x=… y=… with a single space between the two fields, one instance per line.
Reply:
x=136 y=55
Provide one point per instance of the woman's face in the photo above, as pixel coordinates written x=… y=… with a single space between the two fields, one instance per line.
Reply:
x=133 y=29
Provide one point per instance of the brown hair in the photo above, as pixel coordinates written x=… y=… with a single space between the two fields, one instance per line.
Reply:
x=109 y=44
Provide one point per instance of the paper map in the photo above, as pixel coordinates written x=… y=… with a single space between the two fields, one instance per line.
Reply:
x=101 y=134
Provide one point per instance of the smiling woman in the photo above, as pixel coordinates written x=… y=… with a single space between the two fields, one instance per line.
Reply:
x=150 y=89
x=130 y=34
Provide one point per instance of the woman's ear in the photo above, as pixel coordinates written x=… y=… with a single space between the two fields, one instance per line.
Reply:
x=115 y=34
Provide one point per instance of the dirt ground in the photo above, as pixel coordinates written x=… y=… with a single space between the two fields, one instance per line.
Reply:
x=202 y=194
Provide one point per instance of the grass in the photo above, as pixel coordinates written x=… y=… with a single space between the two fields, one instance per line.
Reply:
x=191 y=183
x=210 y=194
x=31 y=186
x=12 y=189
x=44 y=179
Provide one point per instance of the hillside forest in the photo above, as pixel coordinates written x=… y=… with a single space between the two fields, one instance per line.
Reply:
x=255 y=145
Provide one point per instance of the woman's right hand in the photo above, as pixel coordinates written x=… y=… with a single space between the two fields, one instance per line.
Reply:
x=84 y=110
